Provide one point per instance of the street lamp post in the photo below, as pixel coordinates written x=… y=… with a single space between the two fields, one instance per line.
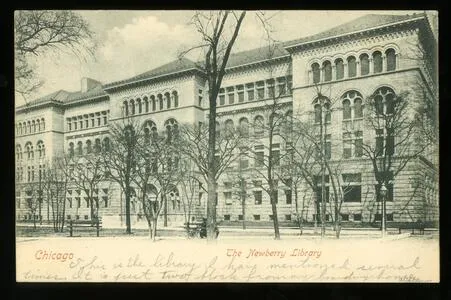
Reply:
x=383 y=192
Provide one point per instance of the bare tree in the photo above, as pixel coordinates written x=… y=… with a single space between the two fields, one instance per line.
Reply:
x=55 y=182
x=157 y=172
x=119 y=157
x=395 y=139
x=86 y=172
x=194 y=145
x=217 y=44
x=39 y=32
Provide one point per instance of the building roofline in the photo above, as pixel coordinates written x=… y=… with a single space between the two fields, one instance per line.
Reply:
x=297 y=45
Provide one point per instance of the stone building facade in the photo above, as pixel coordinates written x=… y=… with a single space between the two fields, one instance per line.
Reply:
x=372 y=55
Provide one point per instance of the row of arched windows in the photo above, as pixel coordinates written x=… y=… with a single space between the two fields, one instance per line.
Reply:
x=243 y=129
x=31 y=126
x=30 y=151
x=89 y=147
x=171 y=129
x=352 y=104
x=150 y=104
x=354 y=66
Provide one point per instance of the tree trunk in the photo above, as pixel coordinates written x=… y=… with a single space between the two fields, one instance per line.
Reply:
x=165 y=211
x=243 y=210
x=154 y=228
x=211 y=210
x=275 y=218
x=299 y=219
x=128 y=226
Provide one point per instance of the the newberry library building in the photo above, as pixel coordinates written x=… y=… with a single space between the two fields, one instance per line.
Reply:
x=371 y=55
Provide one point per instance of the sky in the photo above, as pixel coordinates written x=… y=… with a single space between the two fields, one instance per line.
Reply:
x=133 y=42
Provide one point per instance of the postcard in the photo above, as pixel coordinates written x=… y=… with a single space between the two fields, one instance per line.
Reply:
x=226 y=146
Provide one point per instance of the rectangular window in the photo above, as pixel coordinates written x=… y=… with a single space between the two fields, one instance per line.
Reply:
x=69 y=126
x=378 y=217
x=104 y=120
x=352 y=193
x=259 y=159
x=226 y=217
x=358 y=144
x=281 y=86
x=275 y=157
x=344 y=217
x=287 y=217
x=357 y=217
x=231 y=95
x=271 y=88
x=244 y=164
x=258 y=197
x=260 y=90
x=256 y=217
x=250 y=91
x=221 y=97
x=389 y=217
x=319 y=194
x=240 y=89
x=288 y=196
x=390 y=147
x=240 y=217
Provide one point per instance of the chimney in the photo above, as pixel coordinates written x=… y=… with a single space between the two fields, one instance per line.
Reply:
x=87 y=84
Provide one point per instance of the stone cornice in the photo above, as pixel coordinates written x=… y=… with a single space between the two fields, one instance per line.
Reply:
x=251 y=109
x=33 y=106
x=337 y=39
x=121 y=85
x=83 y=135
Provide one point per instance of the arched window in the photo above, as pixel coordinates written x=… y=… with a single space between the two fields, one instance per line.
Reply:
x=140 y=106
x=106 y=144
x=88 y=147
x=349 y=98
x=125 y=108
x=33 y=124
x=146 y=104
x=377 y=62
x=218 y=130
x=244 y=127
x=317 y=108
x=43 y=124
x=229 y=128
x=384 y=96
x=18 y=153
x=71 y=149
x=171 y=126
x=167 y=98
x=259 y=125
x=160 y=101
x=29 y=150
x=316 y=73
x=327 y=70
x=41 y=149
x=38 y=125
x=150 y=131
x=19 y=129
x=79 y=148
x=352 y=66
x=390 y=55
x=346 y=109
x=97 y=146
x=154 y=103
x=358 y=110
x=364 y=64
x=175 y=96
x=322 y=104
x=174 y=198
x=339 y=68
x=132 y=107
